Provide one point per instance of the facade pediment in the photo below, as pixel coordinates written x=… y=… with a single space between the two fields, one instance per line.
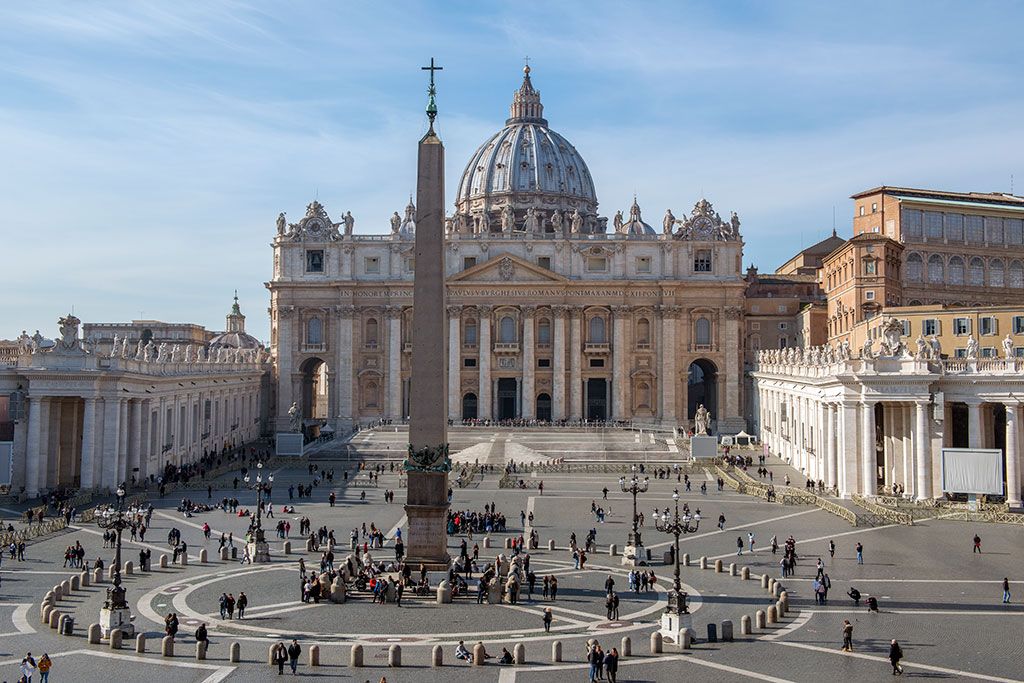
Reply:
x=506 y=268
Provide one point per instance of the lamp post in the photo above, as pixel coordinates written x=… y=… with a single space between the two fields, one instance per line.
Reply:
x=115 y=613
x=259 y=551
x=677 y=613
x=634 y=552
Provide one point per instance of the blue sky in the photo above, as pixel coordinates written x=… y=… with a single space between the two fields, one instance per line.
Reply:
x=147 y=147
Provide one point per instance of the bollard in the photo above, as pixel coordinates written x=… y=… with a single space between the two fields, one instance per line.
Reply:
x=49 y=598
x=444 y=593
x=727 y=630
x=355 y=656
x=203 y=556
x=129 y=568
x=712 y=633
x=784 y=599
x=732 y=569
x=201 y=650
x=395 y=656
x=183 y=559
x=116 y=639
x=45 y=613
x=167 y=646
x=478 y=655
x=65 y=587
x=771 y=585
x=224 y=554
x=54 y=619
x=777 y=590
x=519 y=654
x=84 y=579
x=76 y=582
x=270 y=653
x=140 y=643
x=718 y=566
x=773 y=615
x=556 y=649
x=163 y=562
x=551 y=544
x=487 y=541
x=58 y=592
x=685 y=560
x=687 y=637
x=110 y=573
x=94 y=634
x=613 y=550
x=437 y=656
x=780 y=608
x=508 y=544
x=656 y=643
x=235 y=652
x=287 y=547
x=745 y=625
x=314 y=655
x=745 y=573
x=703 y=562
x=764 y=581
x=626 y=649
x=759 y=619
x=97 y=576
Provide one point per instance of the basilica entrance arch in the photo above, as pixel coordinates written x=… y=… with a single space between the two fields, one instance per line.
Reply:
x=544 y=407
x=315 y=394
x=469 y=409
x=702 y=387
x=508 y=398
x=597 y=399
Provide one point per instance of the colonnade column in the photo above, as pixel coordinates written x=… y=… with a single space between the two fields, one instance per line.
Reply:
x=667 y=346
x=869 y=459
x=575 y=369
x=108 y=456
x=35 y=423
x=923 y=443
x=122 y=441
x=848 y=463
x=394 y=315
x=558 y=365
x=135 y=444
x=1012 y=462
x=974 y=424
x=831 y=452
x=529 y=409
x=620 y=353
x=908 y=420
x=454 y=363
x=88 y=444
x=484 y=398
x=345 y=413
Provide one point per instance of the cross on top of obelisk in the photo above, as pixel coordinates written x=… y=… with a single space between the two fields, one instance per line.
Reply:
x=431 y=92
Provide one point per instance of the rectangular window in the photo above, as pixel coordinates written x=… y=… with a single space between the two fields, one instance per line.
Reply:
x=933 y=225
x=755 y=326
x=782 y=308
x=975 y=228
x=961 y=326
x=988 y=325
x=314 y=260
x=468 y=262
x=960 y=353
x=469 y=362
x=783 y=326
x=755 y=309
x=597 y=264
x=544 y=262
x=988 y=352
x=643 y=264
x=911 y=223
x=597 y=362
x=410 y=264
x=861 y=210
x=954 y=227
x=906 y=327
x=874 y=207
x=543 y=362
x=869 y=295
x=1013 y=229
x=782 y=342
x=371 y=265
x=993 y=230
x=869 y=267
x=1018 y=324
x=702 y=261
x=929 y=327
x=1018 y=352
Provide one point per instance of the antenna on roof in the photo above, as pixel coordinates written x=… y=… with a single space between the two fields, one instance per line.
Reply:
x=833 y=220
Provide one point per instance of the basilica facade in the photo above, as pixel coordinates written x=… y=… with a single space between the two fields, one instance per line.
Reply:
x=553 y=314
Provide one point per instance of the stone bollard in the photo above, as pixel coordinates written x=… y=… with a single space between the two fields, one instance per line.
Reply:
x=110 y=573
x=478 y=655
x=116 y=639
x=76 y=582
x=556 y=651
x=201 y=650
x=732 y=569
x=487 y=541
x=703 y=562
x=718 y=566
x=551 y=544
x=437 y=656
x=508 y=544
x=129 y=568
x=687 y=637
x=395 y=656
x=163 y=562
x=685 y=560
x=773 y=615
x=355 y=656
x=784 y=599
x=58 y=593
x=444 y=593
x=97 y=576
x=338 y=591
x=745 y=625
x=183 y=559
x=771 y=585
x=65 y=587
x=167 y=646
x=309 y=545
x=286 y=547
x=727 y=630
x=626 y=648
x=224 y=554
x=270 y=653
x=44 y=613
x=764 y=581
x=49 y=598
x=712 y=632
x=745 y=573
x=519 y=654
x=656 y=643
x=140 y=643
x=235 y=652
x=613 y=550
x=66 y=625
x=204 y=557
x=314 y=655
x=94 y=634
x=84 y=579
x=777 y=591
x=759 y=619
x=780 y=607
x=54 y=619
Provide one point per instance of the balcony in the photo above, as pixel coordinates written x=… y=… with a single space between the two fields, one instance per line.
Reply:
x=506 y=347
x=469 y=346
x=597 y=347
x=643 y=346
x=703 y=347
x=370 y=346
x=314 y=348
x=543 y=346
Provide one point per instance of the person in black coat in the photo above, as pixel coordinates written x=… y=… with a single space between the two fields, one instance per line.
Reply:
x=895 y=655
x=293 y=655
x=611 y=664
x=280 y=657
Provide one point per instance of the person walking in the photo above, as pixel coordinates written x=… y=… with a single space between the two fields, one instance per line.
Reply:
x=44 y=665
x=241 y=604
x=547 y=620
x=831 y=548
x=750 y=540
x=847 y=636
x=977 y=544
x=280 y=657
x=739 y=545
x=294 y=650
x=895 y=655
x=1006 y=590
x=721 y=522
x=611 y=664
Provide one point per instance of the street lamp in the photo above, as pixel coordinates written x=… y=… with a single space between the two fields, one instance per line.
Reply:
x=674 y=526
x=634 y=551
x=259 y=551
x=115 y=613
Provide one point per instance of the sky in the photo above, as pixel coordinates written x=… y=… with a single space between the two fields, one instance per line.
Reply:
x=146 y=148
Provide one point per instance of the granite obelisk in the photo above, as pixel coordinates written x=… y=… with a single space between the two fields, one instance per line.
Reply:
x=428 y=464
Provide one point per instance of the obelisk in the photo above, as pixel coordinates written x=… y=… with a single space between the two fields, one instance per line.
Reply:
x=428 y=464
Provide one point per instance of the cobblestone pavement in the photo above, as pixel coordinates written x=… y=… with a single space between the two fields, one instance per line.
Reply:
x=938 y=598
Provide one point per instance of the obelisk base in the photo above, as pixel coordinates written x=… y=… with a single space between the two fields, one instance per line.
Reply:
x=427 y=542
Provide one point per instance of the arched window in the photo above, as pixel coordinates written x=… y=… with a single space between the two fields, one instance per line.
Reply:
x=544 y=331
x=702 y=332
x=976 y=272
x=469 y=332
x=371 y=332
x=507 y=330
x=995 y=273
x=755 y=340
x=597 y=330
x=1015 y=275
x=314 y=331
x=935 y=269
x=915 y=267
x=643 y=331
x=956 y=271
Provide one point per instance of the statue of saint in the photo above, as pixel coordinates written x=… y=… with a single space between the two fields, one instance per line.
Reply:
x=294 y=418
x=936 y=348
x=113 y=347
x=281 y=223
x=147 y=352
x=867 y=350
x=1008 y=348
x=162 y=352
x=734 y=222
x=349 y=223
x=577 y=221
x=617 y=222
x=701 y=421
x=396 y=223
x=972 y=347
x=668 y=222
x=922 y=348
x=484 y=226
x=508 y=219
x=531 y=225
x=556 y=221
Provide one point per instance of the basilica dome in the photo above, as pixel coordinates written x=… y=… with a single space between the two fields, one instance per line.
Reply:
x=525 y=165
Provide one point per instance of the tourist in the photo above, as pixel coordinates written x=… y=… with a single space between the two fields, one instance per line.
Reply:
x=294 y=650
x=895 y=655
x=554 y=588
x=1006 y=590
x=28 y=667
x=547 y=619
x=462 y=653
x=860 y=553
x=241 y=604
x=854 y=595
x=44 y=664
x=847 y=636
x=750 y=540
x=739 y=545
x=721 y=522
x=594 y=659
x=280 y=657
x=202 y=636
x=872 y=603
x=223 y=605
x=977 y=544
x=831 y=548
x=774 y=543
x=506 y=656
x=611 y=664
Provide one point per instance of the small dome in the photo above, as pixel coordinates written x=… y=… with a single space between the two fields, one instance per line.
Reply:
x=235 y=340
x=635 y=226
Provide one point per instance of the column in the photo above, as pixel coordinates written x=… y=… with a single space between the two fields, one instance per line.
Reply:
x=620 y=355
x=32 y=452
x=733 y=367
x=135 y=450
x=343 y=369
x=869 y=486
x=667 y=345
x=1012 y=462
x=831 y=452
x=44 y=453
x=122 y=440
x=575 y=360
x=394 y=314
x=923 y=443
x=529 y=401
x=847 y=472
x=907 y=420
x=484 y=398
x=285 y=354
x=974 y=424
x=89 y=444
x=454 y=363
x=558 y=365
x=888 y=446
x=108 y=455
